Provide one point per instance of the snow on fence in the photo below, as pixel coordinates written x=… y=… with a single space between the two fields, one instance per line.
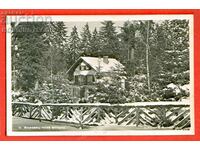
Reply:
x=174 y=115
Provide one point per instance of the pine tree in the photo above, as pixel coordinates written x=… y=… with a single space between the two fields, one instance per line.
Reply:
x=176 y=50
x=28 y=47
x=139 y=42
x=74 y=46
x=86 y=41
x=127 y=47
x=109 y=39
x=56 y=38
x=95 y=43
x=55 y=58
x=62 y=55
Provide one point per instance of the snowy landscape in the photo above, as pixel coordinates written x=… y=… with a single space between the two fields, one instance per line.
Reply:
x=110 y=73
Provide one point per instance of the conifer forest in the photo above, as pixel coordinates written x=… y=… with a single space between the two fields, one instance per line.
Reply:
x=155 y=55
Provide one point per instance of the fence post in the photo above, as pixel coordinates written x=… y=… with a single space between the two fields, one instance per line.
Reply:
x=115 y=113
x=137 y=116
x=163 y=115
x=30 y=111
x=52 y=110
x=81 y=118
x=98 y=114
x=66 y=112
x=40 y=113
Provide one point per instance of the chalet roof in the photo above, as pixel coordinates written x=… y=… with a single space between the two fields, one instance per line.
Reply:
x=95 y=62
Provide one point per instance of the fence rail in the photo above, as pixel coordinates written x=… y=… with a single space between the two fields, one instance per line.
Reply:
x=175 y=115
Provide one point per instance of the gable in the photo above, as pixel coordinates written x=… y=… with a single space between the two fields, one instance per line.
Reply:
x=96 y=64
x=84 y=69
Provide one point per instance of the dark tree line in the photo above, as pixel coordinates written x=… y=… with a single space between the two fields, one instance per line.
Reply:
x=155 y=53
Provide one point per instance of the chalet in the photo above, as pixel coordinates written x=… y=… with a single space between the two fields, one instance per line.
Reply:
x=83 y=73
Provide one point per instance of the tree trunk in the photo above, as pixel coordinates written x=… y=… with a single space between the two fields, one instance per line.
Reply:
x=147 y=58
x=52 y=75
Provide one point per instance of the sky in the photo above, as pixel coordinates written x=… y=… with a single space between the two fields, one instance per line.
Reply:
x=92 y=25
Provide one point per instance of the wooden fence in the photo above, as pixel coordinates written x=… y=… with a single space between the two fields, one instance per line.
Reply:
x=174 y=115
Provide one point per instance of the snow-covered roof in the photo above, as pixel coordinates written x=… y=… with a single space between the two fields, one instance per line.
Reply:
x=95 y=62
x=98 y=64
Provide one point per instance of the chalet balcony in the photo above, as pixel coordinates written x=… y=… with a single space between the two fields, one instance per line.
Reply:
x=81 y=80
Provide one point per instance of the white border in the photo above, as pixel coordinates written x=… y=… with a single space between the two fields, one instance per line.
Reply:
x=191 y=57
x=90 y=133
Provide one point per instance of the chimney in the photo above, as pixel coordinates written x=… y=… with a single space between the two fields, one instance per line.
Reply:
x=105 y=59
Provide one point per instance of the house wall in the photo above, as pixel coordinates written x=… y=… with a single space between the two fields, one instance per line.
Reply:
x=82 y=71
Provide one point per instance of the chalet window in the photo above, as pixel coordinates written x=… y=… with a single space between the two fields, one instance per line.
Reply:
x=81 y=80
x=87 y=68
x=76 y=80
x=84 y=67
x=90 y=78
x=84 y=80
x=82 y=92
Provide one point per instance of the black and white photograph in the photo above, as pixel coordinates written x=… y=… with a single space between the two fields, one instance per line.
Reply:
x=100 y=75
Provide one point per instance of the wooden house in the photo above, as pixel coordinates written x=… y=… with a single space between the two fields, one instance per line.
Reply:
x=83 y=73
